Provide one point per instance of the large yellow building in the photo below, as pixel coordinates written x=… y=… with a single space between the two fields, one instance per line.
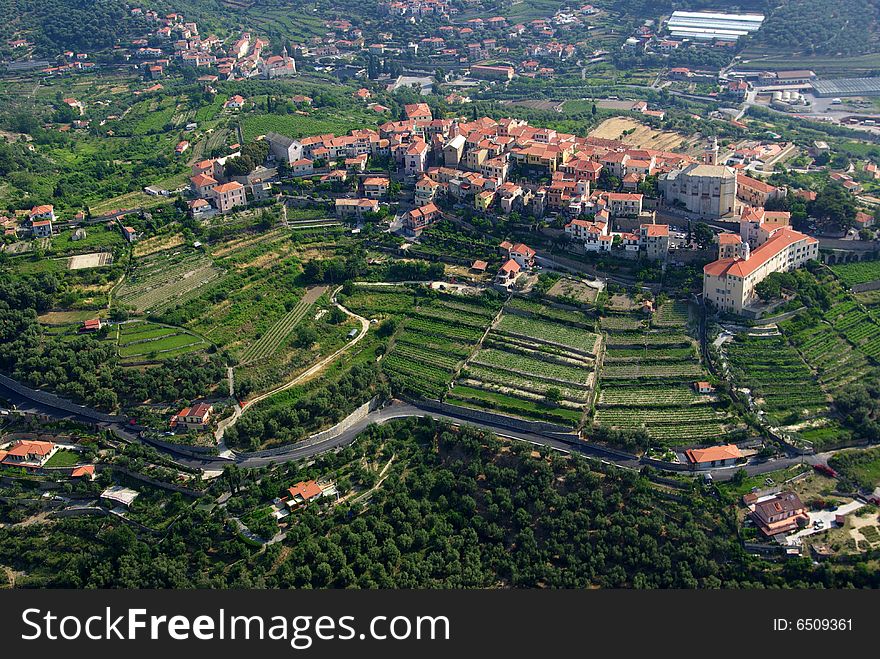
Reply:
x=729 y=283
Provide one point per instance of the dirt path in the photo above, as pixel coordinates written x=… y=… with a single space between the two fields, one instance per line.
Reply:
x=306 y=375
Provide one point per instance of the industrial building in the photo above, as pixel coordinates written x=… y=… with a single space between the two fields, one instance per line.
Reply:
x=847 y=87
x=711 y=25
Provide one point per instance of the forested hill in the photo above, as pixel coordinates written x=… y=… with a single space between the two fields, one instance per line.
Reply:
x=829 y=27
x=54 y=26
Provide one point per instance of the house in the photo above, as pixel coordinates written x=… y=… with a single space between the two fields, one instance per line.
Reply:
x=864 y=220
x=479 y=266
x=755 y=192
x=714 y=456
x=625 y=204
x=41 y=229
x=303 y=493
x=522 y=254
x=507 y=274
x=91 y=325
x=29 y=454
x=202 y=185
x=182 y=146
x=44 y=212
x=302 y=167
x=200 y=208
x=704 y=388
x=196 y=417
x=85 y=471
x=416 y=157
x=426 y=191
x=420 y=218
x=348 y=208
x=129 y=234
x=779 y=513
x=654 y=239
x=228 y=196
x=418 y=112
x=234 y=103
x=375 y=187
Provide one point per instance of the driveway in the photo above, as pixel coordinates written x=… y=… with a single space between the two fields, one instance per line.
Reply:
x=827 y=517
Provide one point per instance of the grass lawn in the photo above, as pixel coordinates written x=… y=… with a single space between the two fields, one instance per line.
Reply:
x=63 y=459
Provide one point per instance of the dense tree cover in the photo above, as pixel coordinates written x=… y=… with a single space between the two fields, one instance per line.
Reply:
x=86 y=368
x=835 y=207
x=290 y=416
x=80 y=25
x=458 y=509
x=813 y=294
x=837 y=27
x=859 y=404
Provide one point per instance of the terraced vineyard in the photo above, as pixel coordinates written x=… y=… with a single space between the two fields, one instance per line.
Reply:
x=780 y=382
x=438 y=332
x=268 y=344
x=160 y=281
x=145 y=341
x=537 y=363
x=853 y=274
x=647 y=380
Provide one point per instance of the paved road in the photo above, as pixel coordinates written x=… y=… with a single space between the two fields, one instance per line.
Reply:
x=398 y=410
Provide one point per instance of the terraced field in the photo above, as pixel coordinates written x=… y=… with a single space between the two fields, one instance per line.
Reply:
x=160 y=281
x=437 y=333
x=780 y=382
x=268 y=344
x=537 y=363
x=647 y=379
x=140 y=341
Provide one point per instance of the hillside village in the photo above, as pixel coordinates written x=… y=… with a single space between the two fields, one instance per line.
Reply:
x=252 y=269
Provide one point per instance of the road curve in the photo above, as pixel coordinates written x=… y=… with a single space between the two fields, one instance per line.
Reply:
x=316 y=368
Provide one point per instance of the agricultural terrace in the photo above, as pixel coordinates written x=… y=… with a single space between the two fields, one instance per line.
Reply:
x=647 y=376
x=164 y=279
x=781 y=384
x=141 y=341
x=862 y=272
x=433 y=336
x=537 y=362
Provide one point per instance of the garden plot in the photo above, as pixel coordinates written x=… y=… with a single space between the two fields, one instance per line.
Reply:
x=160 y=282
x=673 y=313
x=853 y=274
x=86 y=261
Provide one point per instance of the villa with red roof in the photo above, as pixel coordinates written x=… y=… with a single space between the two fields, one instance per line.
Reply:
x=28 y=453
x=729 y=283
x=714 y=456
x=196 y=417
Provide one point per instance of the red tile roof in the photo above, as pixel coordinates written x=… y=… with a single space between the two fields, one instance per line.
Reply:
x=713 y=453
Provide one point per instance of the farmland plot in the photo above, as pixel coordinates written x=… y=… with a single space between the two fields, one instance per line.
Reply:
x=269 y=343
x=159 y=282
x=647 y=381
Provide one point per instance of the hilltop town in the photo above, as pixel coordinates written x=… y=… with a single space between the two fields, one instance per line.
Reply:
x=272 y=287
